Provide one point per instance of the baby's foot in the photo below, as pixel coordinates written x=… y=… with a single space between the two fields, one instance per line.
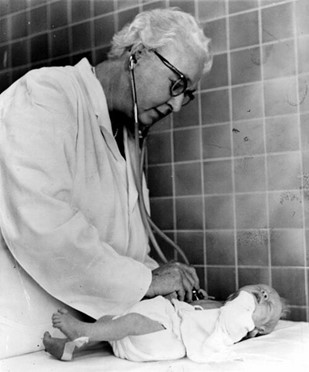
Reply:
x=70 y=326
x=55 y=346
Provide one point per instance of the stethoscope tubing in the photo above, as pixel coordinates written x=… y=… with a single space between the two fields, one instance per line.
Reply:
x=149 y=225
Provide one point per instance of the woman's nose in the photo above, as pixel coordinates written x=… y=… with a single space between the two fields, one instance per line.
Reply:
x=176 y=102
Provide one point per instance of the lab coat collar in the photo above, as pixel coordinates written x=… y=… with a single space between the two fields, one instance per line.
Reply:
x=95 y=93
x=97 y=99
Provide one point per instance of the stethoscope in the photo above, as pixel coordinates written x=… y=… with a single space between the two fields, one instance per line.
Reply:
x=140 y=136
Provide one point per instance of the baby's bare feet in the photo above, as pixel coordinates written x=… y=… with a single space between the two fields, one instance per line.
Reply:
x=55 y=346
x=70 y=326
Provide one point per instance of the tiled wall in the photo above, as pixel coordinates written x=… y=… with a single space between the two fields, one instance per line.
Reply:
x=230 y=182
x=35 y=33
x=229 y=175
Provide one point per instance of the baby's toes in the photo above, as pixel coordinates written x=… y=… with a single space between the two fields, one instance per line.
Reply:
x=56 y=317
x=62 y=311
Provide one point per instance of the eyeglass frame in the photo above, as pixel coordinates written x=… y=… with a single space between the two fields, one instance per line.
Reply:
x=185 y=92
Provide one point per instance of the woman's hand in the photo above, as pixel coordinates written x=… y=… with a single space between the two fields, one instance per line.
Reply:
x=174 y=279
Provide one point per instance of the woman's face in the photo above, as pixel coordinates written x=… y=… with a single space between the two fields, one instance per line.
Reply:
x=154 y=79
x=268 y=305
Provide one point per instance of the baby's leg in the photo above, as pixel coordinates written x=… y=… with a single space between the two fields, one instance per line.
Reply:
x=105 y=328
x=132 y=324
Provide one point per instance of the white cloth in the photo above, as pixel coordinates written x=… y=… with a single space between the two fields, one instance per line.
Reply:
x=202 y=335
x=161 y=345
x=70 y=346
x=69 y=217
x=207 y=334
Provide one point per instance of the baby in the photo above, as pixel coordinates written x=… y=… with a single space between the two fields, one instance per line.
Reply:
x=159 y=329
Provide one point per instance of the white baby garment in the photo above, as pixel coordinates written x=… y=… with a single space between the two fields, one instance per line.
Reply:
x=207 y=334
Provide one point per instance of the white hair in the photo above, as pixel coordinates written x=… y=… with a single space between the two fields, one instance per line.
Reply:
x=159 y=27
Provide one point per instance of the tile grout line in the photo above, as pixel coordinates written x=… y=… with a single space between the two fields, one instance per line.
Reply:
x=200 y=129
x=231 y=142
x=175 y=230
x=296 y=61
x=265 y=149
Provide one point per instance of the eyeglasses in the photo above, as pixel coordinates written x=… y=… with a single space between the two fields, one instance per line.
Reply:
x=180 y=85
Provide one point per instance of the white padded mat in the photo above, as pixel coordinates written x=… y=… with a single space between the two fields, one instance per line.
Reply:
x=286 y=349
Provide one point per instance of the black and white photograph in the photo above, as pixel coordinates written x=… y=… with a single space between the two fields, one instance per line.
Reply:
x=154 y=185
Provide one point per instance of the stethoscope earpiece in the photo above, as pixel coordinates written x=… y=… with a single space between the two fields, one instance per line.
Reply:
x=133 y=61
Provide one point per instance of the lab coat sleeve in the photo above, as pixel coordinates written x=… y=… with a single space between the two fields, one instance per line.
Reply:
x=151 y=263
x=50 y=238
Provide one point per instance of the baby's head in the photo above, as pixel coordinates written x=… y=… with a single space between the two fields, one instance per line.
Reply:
x=269 y=308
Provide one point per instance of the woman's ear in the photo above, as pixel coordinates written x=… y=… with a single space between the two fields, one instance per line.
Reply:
x=137 y=52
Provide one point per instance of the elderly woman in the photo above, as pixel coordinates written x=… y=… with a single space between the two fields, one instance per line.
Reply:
x=72 y=233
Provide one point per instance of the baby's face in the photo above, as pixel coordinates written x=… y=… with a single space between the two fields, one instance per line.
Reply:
x=268 y=305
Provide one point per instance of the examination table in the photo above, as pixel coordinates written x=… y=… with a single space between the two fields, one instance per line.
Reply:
x=286 y=349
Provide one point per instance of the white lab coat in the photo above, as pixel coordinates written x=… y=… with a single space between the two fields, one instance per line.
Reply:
x=70 y=222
